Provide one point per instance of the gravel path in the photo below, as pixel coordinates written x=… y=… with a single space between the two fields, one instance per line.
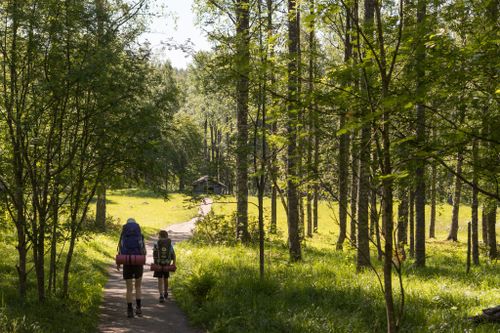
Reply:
x=166 y=317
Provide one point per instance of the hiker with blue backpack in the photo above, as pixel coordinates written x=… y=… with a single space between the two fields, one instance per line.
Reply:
x=164 y=260
x=132 y=254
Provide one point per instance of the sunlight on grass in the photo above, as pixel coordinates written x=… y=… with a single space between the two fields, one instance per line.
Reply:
x=150 y=211
x=220 y=289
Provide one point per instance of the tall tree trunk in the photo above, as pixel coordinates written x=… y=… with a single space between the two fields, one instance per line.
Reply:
x=316 y=173
x=14 y=120
x=274 y=212
x=100 y=212
x=421 y=139
x=374 y=214
x=491 y=215
x=212 y=145
x=182 y=182
x=354 y=186
x=453 y=235
x=475 y=204
x=262 y=172
x=432 y=224
x=387 y=185
x=403 y=215
x=67 y=266
x=343 y=183
x=363 y=242
x=484 y=224
x=218 y=155
x=412 y=222
x=388 y=224
x=292 y=113
x=344 y=145
x=310 y=117
x=54 y=240
x=20 y=221
x=274 y=124
x=300 y=128
x=242 y=86
x=39 y=256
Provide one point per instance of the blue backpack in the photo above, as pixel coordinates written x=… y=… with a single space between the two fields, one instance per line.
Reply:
x=131 y=239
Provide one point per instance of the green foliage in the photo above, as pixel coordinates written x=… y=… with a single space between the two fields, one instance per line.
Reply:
x=221 y=229
x=199 y=286
x=17 y=325
x=80 y=310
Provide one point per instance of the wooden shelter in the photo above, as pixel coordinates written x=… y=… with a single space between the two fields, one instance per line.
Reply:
x=207 y=185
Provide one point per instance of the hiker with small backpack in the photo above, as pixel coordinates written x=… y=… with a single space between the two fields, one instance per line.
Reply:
x=132 y=254
x=164 y=261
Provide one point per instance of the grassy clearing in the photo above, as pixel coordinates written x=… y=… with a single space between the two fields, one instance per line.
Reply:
x=151 y=212
x=219 y=287
x=94 y=254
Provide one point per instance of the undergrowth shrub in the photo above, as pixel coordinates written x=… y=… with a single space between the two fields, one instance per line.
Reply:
x=112 y=225
x=17 y=325
x=220 y=229
x=200 y=285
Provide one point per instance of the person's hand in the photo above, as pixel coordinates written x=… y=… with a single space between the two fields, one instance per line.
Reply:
x=118 y=267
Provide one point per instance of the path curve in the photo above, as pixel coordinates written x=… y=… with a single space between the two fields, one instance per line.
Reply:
x=166 y=317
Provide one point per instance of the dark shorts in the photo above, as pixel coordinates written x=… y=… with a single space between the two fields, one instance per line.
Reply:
x=161 y=274
x=132 y=272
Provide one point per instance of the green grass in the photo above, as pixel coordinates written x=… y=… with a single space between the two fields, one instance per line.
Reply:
x=93 y=255
x=219 y=286
x=151 y=212
x=328 y=219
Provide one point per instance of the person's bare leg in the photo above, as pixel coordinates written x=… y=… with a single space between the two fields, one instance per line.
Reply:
x=129 y=296
x=160 y=289
x=160 y=285
x=138 y=296
x=138 y=291
x=130 y=289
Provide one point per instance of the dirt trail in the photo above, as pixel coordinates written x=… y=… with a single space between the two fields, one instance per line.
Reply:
x=166 y=317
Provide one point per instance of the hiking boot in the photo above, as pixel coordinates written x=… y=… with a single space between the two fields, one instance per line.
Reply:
x=138 y=312
x=130 y=313
x=162 y=299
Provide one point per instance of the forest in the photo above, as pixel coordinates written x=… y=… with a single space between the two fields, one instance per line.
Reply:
x=357 y=142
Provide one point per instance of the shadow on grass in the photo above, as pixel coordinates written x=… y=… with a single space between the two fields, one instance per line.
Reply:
x=139 y=192
x=286 y=301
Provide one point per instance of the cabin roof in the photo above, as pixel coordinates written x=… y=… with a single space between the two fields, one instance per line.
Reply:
x=205 y=179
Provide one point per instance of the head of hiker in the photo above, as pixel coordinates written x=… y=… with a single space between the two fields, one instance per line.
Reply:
x=163 y=234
